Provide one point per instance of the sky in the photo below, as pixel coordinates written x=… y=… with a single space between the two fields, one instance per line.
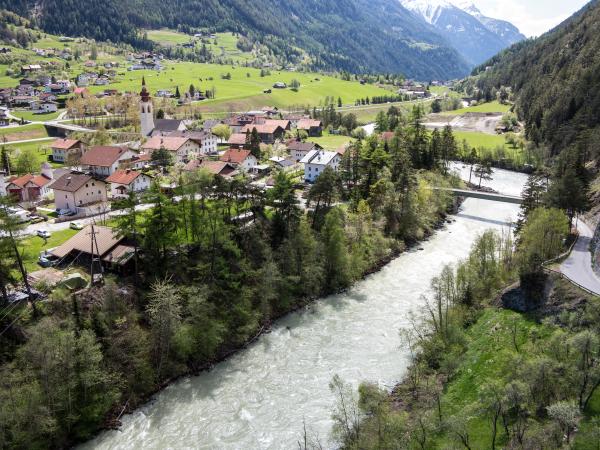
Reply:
x=532 y=17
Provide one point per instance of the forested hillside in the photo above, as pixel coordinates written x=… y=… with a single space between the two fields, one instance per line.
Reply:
x=556 y=80
x=352 y=35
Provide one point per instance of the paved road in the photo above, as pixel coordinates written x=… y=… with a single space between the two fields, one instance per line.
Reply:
x=578 y=266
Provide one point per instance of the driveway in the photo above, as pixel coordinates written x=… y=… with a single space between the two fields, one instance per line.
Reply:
x=578 y=266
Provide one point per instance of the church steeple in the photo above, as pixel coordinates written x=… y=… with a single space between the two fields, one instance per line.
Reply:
x=146 y=111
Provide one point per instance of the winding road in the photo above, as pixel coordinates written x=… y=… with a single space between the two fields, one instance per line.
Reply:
x=578 y=266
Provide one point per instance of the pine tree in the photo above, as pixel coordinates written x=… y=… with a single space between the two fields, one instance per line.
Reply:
x=254 y=143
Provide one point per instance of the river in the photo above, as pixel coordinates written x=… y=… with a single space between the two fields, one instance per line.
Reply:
x=258 y=398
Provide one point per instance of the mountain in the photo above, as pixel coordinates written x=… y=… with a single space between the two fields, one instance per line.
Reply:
x=506 y=31
x=475 y=36
x=556 y=82
x=352 y=35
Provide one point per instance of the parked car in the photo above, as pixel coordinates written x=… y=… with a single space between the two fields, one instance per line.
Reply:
x=47 y=259
x=76 y=225
x=37 y=219
x=43 y=234
x=65 y=212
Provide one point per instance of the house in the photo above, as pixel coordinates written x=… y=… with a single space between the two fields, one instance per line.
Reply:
x=83 y=80
x=205 y=139
x=29 y=187
x=237 y=140
x=183 y=148
x=109 y=247
x=64 y=150
x=316 y=161
x=124 y=181
x=268 y=133
x=236 y=123
x=239 y=158
x=103 y=161
x=294 y=119
x=101 y=81
x=313 y=127
x=44 y=107
x=281 y=162
x=137 y=162
x=81 y=91
x=285 y=124
x=31 y=68
x=78 y=192
x=299 y=149
x=163 y=127
x=221 y=168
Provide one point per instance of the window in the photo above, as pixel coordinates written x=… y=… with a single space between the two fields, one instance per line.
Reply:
x=86 y=185
x=98 y=192
x=92 y=184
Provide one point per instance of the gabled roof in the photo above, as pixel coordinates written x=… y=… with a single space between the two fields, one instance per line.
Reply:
x=282 y=123
x=302 y=146
x=72 y=182
x=235 y=156
x=265 y=128
x=105 y=237
x=64 y=144
x=103 y=156
x=305 y=124
x=171 y=143
x=126 y=176
x=167 y=124
x=23 y=180
x=218 y=167
x=319 y=157
x=237 y=139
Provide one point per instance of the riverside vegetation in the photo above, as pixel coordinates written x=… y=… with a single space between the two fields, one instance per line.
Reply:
x=204 y=284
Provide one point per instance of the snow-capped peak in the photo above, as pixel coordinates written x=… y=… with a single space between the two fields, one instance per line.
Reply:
x=430 y=10
x=469 y=7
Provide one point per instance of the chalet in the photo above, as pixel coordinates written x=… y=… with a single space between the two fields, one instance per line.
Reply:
x=294 y=119
x=299 y=149
x=268 y=133
x=242 y=159
x=205 y=139
x=285 y=124
x=163 y=127
x=78 y=193
x=316 y=161
x=29 y=187
x=103 y=161
x=221 y=168
x=137 y=162
x=124 y=181
x=43 y=106
x=237 y=140
x=66 y=150
x=183 y=148
x=313 y=127
x=110 y=248
x=236 y=123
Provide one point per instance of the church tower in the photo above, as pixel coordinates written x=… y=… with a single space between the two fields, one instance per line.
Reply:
x=146 y=111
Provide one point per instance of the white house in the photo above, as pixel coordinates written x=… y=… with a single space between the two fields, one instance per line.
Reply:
x=43 y=107
x=241 y=159
x=64 y=150
x=205 y=139
x=122 y=182
x=183 y=148
x=77 y=192
x=103 y=161
x=316 y=161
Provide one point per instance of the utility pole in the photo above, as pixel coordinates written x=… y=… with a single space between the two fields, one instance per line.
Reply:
x=94 y=242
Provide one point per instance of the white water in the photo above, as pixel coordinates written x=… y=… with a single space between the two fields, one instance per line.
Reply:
x=259 y=397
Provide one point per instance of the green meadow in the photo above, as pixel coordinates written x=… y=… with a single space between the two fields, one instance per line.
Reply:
x=490 y=107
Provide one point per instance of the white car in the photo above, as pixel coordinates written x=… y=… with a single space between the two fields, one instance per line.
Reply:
x=43 y=234
x=76 y=225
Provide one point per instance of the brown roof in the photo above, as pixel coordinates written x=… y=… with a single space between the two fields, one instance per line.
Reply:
x=302 y=146
x=237 y=139
x=387 y=136
x=105 y=237
x=306 y=124
x=126 y=176
x=64 y=144
x=171 y=143
x=285 y=124
x=72 y=182
x=234 y=156
x=218 y=167
x=120 y=254
x=265 y=128
x=38 y=180
x=103 y=156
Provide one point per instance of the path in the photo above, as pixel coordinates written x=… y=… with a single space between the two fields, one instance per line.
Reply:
x=578 y=266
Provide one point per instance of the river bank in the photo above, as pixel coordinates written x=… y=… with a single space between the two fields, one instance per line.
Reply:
x=259 y=397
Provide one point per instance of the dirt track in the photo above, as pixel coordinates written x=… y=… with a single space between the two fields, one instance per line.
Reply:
x=472 y=121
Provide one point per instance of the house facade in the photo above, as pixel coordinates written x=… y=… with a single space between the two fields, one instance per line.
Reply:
x=182 y=148
x=103 y=161
x=316 y=161
x=66 y=150
x=299 y=149
x=77 y=191
x=242 y=159
x=124 y=181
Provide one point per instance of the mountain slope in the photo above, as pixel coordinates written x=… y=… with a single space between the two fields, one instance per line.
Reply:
x=353 y=35
x=556 y=79
x=475 y=36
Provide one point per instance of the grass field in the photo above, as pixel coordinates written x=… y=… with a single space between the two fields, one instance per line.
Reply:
x=168 y=37
x=330 y=142
x=32 y=246
x=21 y=133
x=29 y=115
x=491 y=107
x=481 y=139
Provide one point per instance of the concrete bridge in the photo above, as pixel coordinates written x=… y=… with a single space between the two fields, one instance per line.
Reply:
x=58 y=129
x=483 y=195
